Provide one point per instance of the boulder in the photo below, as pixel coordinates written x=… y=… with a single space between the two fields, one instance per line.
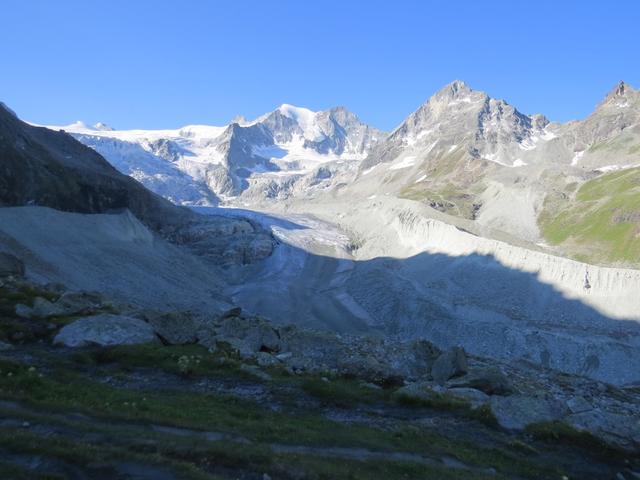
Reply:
x=248 y=335
x=365 y=366
x=175 y=328
x=516 y=412
x=488 y=380
x=105 y=329
x=450 y=364
x=11 y=266
x=265 y=359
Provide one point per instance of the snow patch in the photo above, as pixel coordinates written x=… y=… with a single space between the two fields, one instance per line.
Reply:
x=576 y=158
x=406 y=162
x=423 y=177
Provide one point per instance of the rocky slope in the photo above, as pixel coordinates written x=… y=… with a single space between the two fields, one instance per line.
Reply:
x=44 y=168
x=390 y=266
x=345 y=405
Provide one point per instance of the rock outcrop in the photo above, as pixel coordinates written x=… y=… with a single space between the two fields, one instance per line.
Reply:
x=105 y=330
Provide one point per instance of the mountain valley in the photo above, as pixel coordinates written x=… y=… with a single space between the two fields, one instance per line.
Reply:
x=456 y=298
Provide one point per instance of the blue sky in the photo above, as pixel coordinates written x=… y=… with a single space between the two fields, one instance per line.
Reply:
x=164 y=64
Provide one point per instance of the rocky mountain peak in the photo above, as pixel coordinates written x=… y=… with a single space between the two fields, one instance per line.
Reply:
x=7 y=109
x=455 y=89
x=620 y=95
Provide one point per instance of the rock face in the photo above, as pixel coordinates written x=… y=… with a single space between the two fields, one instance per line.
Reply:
x=104 y=330
x=11 y=266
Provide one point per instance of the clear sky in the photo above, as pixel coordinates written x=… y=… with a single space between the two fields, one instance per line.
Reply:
x=164 y=64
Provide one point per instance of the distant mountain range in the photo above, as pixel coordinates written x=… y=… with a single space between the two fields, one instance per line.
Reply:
x=198 y=165
x=462 y=152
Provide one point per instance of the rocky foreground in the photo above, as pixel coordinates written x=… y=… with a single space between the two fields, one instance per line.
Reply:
x=90 y=388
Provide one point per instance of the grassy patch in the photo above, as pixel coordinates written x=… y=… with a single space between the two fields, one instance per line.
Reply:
x=449 y=199
x=450 y=403
x=65 y=391
x=15 y=329
x=559 y=432
x=341 y=392
x=601 y=222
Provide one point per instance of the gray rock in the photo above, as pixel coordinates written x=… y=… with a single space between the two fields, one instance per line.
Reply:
x=265 y=359
x=516 y=412
x=578 y=404
x=248 y=335
x=175 y=328
x=284 y=356
x=105 y=329
x=5 y=346
x=476 y=397
x=11 y=266
x=488 y=380
x=451 y=363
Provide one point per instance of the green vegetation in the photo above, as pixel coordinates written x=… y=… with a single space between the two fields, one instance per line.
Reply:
x=342 y=392
x=449 y=403
x=119 y=415
x=186 y=360
x=16 y=329
x=559 y=432
x=601 y=222
x=449 y=199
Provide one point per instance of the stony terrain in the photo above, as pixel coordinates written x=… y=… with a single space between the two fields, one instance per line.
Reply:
x=92 y=389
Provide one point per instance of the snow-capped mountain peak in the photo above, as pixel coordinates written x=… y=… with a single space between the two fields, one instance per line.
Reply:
x=103 y=127
x=200 y=163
